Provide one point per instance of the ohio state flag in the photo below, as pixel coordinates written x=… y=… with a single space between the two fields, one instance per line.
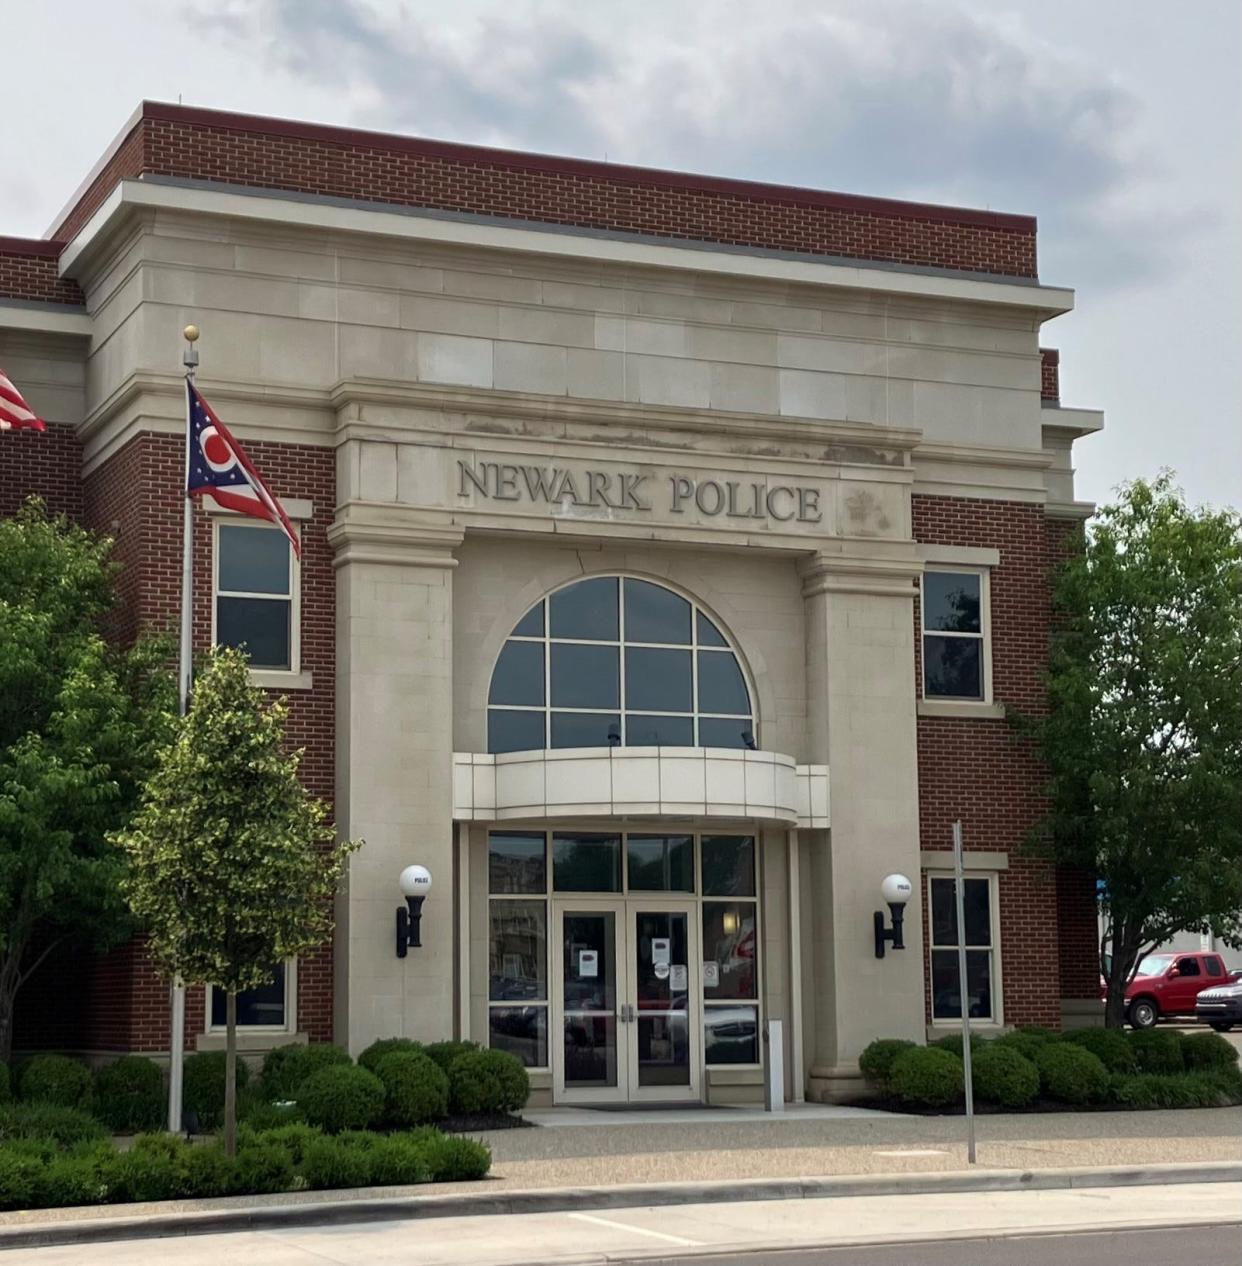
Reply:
x=217 y=466
x=15 y=413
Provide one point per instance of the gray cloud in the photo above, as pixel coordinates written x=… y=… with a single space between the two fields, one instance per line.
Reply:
x=900 y=99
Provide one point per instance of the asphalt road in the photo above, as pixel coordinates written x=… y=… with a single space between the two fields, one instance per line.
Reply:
x=1204 y=1246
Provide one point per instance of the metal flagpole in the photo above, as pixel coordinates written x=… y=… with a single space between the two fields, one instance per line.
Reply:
x=959 y=886
x=176 y=1053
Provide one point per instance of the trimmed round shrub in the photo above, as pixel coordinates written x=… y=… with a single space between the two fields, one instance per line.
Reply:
x=287 y=1067
x=152 y=1169
x=77 y=1178
x=1207 y=1050
x=953 y=1043
x=56 y=1079
x=399 y=1160
x=19 y=1179
x=1109 y=1046
x=1071 y=1073
x=370 y=1058
x=452 y=1157
x=202 y=1089
x=929 y=1076
x=129 y=1095
x=415 y=1089
x=487 y=1081
x=63 y=1127
x=1027 y=1040
x=254 y=1110
x=332 y=1162
x=208 y=1171
x=1157 y=1051
x=1003 y=1075
x=342 y=1097
x=262 y=1169
x=444 y=1053
x=876 y=1061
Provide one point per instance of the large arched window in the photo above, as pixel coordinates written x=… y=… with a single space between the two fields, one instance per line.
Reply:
x=615 y=660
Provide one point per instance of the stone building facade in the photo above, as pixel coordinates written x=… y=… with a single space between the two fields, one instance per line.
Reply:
x=674 y=549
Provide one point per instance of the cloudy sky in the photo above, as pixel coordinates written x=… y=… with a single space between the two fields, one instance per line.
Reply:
x=1117 y=122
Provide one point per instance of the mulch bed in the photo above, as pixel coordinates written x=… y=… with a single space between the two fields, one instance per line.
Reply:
x=889 y=1103
x=483 y=1121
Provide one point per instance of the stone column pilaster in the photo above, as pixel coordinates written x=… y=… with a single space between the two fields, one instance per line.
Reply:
x=394 y=746
x=861 y=701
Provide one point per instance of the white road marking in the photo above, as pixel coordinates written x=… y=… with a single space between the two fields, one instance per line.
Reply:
x=914 y=1151
x=636 y=1230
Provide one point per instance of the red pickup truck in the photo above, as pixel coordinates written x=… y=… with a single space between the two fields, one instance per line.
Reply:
x=1168 y=984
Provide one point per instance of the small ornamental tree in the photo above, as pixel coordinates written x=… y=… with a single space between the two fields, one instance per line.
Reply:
x=1143 y=737
x=233 y=865
x=80 y=725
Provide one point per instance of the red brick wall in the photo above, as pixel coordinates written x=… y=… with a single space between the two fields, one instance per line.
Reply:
x=47 y=463
x=28 y=270
x=210 y=145
x=979 y=770
x=1050 y=374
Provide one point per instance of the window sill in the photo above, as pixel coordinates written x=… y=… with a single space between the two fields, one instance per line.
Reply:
x=247 y=1041
x=274 y=679
x=974 y=711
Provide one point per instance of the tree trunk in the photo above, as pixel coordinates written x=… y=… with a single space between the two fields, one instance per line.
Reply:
x=1124 y=956
x=10 y=983
x=230 y=1076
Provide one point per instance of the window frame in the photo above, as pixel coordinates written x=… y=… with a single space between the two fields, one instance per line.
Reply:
x=997 y=1018
x=294 y=597
x=984 y=636
x=694 y=647
x=291 y=1008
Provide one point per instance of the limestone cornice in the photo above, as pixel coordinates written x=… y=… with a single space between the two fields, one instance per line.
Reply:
x=893 y=573
x=366 y=532
x=45 y=318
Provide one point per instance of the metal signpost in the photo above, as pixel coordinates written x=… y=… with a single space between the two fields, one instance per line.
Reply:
x=959 y=887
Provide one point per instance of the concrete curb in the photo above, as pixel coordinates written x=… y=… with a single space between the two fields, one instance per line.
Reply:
x=216 y=1217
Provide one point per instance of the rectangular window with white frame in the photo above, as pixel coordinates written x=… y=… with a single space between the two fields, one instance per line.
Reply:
x=256 y=594
x=983 y=983
x=957 y=651
x=268 y=1008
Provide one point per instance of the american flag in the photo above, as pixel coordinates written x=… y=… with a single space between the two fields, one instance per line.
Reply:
x=217 y=467
x=15 y=413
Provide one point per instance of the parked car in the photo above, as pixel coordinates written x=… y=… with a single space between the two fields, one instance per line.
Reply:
x=1168 y=984
x=1221 y=1005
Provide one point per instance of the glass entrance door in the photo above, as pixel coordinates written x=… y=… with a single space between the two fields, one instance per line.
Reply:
x=628 y=994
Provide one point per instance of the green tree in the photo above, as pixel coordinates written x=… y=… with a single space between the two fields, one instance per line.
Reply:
x=80 y=724
x=233 y=865
x=1143 y=737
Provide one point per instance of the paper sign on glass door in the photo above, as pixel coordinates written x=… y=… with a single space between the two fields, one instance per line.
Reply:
x=678 y=980
x=661 y=951
x=588 y=964
x=711 y=975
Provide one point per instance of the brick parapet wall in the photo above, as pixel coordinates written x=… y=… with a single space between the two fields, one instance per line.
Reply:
x=983 y=773
x=1049 y=374
x=214 y=146
x=28 y=271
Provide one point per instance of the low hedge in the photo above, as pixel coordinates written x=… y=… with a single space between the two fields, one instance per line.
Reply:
x=876 y=1061
x=1213 y=1088
x=342 y=1097
x=1071 y=1073
x=129 y=1095
x=487 y=1081
x=1207 y=1051
x=1158 y=1051
x=370 y=1058
x=1109 y=1046
x=202 y=1091
x=928 y=1076
x=59 y=1127
x=286 y=1068
x=416 y=1090
x=55 y=1079
x=1003 y=1075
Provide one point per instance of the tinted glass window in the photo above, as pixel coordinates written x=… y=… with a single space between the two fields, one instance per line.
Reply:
x=723 y=732
x=515 y=863
x=586 y=862
x=1188 y=967
x=514 y=731
x=584 y=676
x=517 y=953
x=1213 y=967
x=721 y=688
x=709 y=634
x=518 y=677
x=951 y=601
x=263 y=1006
x=977 y=908
x=522 y=1031
x=728 y=866
x=655 y=614
x=648 y=731
x=252 y=560
x=658 y=680
x=586 y=610
x=953 y=667
x=531 y=624
x=584 y=729
x=731 y=1035
x=660 y=863
x=946 y=989
x=729 y=942
x=260 y=625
